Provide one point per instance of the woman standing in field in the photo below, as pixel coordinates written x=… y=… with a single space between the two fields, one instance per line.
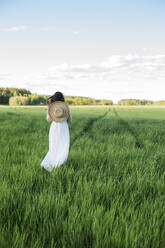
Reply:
x=59 y=139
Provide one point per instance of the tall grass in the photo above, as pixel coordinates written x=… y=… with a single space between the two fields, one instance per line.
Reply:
x=109 y=193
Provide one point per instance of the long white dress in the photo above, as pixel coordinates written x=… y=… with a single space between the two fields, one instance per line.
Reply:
x=59 y=142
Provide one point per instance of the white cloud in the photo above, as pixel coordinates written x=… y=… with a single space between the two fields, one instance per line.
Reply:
x=76 y=32
x=13 y=28
x=117 y=77
x=115 y=67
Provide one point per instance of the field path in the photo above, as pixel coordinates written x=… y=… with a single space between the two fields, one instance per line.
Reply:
x=88 y=126
x=132 y=131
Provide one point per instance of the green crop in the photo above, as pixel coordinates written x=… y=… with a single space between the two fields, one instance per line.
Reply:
x=109 y=194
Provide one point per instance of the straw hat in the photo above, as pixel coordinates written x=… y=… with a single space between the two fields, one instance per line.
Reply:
x=58 y=111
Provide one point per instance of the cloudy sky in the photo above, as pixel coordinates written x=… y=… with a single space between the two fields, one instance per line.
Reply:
x=111 y=49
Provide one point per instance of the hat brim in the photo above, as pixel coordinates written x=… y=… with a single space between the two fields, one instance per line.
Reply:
x=51 y=111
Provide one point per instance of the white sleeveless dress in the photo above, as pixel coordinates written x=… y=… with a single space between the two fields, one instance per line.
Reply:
x=59 y=142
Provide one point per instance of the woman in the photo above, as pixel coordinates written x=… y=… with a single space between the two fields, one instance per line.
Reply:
x=59 y=138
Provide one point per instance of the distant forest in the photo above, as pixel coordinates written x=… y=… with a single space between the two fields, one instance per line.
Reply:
x=19 y=96
x=16 y=96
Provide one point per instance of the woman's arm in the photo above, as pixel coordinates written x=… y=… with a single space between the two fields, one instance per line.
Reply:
x=69 y=120
x=48 y=118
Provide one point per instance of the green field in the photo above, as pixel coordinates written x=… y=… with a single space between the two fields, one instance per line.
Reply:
x=110 y=193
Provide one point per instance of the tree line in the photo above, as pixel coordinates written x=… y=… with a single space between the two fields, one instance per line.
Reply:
x=135 y=102
x=15 y=96
x=20 y=96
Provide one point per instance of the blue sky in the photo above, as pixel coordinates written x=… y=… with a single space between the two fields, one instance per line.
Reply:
x=104 y=49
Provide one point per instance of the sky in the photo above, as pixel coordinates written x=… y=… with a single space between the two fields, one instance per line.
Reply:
x=106 y=49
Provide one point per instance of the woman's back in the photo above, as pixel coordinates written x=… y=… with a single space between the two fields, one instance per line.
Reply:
x=59 y=139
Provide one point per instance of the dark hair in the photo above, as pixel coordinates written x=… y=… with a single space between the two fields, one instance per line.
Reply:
x=58 y=96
